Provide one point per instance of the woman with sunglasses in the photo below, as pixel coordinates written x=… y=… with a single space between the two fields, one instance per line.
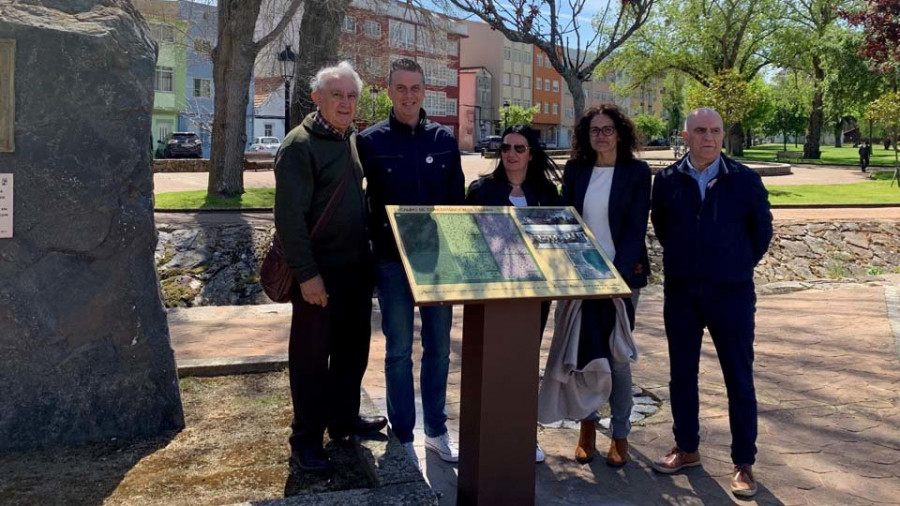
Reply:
x=525 y=176
x=611 y=190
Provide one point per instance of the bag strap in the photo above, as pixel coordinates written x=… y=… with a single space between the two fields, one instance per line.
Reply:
x=335 y=197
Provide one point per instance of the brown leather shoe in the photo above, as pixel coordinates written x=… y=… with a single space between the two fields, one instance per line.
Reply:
x=618 y=452
x=587 y=442
x=742 y=482
x=676 y=460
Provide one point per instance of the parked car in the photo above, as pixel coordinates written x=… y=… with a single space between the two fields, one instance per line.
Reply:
x=659 y=141
x=183 y=145
x=489 y=143
x=264 y=146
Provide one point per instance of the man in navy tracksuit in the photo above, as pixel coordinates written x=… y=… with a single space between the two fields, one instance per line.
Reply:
x=711 y=215
x=410 y=160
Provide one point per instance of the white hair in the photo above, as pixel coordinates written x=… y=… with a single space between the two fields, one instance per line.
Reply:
x=344 y=68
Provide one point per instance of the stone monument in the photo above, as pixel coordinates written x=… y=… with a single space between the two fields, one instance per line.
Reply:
x=84 y=344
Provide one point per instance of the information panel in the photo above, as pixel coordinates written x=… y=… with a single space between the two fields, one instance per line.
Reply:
x=470 y=253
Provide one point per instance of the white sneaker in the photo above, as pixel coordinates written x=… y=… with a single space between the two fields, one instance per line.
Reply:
x=411 y=453
x=539 y=455
x=444 y=446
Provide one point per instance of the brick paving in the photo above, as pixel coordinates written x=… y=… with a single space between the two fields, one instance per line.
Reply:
x=828 y=384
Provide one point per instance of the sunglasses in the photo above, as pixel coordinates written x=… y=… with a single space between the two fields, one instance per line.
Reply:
x=606 y=131
x=520 y=148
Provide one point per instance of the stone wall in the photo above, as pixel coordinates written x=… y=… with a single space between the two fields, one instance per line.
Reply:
x=218 y=265
x=202 y=164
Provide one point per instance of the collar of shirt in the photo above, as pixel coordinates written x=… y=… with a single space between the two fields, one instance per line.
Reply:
x=331 y=128
x=396 y=123
x=705 y=177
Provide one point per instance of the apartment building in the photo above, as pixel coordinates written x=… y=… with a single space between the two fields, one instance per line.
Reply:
x=475 y=97
x=510 y=63
x=375 y=32
x=547 y=96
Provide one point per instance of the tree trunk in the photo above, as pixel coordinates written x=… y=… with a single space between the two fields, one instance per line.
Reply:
x=320 y=31
x=839 y=133
x=816 y=115
x=574 y=85
x=736 y=140
x=233 y=59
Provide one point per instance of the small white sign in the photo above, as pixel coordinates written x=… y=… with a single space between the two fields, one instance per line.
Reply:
x=6 y=206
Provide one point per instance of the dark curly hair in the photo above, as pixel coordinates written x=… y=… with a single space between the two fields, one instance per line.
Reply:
x=628 y=140
x=542 y=170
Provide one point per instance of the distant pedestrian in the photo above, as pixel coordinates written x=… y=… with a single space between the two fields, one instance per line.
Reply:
x=711 y=216
x=865 y=152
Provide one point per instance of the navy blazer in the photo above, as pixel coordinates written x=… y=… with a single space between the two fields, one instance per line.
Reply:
x=494 y=191
x=629 y=210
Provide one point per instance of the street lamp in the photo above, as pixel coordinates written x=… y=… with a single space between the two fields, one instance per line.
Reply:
x=373 y=92
x=287 y=59
x=504 y=116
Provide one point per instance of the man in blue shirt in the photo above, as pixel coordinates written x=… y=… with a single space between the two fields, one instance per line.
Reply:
x=711 y=216
x=410 y=160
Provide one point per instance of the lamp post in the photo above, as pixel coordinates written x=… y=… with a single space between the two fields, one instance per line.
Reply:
x=504 y=116
x=373 y=93
x=287 y=59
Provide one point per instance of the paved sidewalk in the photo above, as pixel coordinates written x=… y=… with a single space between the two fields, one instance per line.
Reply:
x=828 y=384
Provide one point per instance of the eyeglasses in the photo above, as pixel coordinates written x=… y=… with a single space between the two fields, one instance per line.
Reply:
x=520 y=148
x=606 y=131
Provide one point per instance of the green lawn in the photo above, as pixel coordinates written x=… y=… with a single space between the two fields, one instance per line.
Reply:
x=254 y=197
x=868 y=192
x=847 y=155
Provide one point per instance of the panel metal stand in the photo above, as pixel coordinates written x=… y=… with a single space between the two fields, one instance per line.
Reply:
x=498 y=412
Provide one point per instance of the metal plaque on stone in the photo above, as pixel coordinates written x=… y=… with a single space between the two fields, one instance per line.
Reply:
x=6 y=206
x=7 y=96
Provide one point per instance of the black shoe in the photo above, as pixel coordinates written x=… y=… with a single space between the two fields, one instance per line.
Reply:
x=361 y=426
x=313 y=460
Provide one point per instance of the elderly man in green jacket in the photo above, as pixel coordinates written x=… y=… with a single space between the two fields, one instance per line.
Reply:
x=320 y=216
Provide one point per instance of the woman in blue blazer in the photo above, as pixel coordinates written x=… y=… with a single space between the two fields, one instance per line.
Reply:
x=611 y=190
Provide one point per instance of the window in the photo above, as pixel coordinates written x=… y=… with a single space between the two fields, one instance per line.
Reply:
x=555 y=86
x=452 y=47
x=546 y=84
x=505 y=79
x=165 y=77
x=537 y=84
x=526 y=82
x=202 y=88
x=555 y=108
x=450 y=106
x=402 y=35
x=540 y=60
x=372 y=29
x=437 y=104
x=267 y=130
x=538 y=105
x=516 y=80
x=162 y=33
x=506 y=53
x=546 y=107
x=349 y=24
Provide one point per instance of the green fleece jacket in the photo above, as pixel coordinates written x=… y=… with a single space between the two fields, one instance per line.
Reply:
x=308 y=169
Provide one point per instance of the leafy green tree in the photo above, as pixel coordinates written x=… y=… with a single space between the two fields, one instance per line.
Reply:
x=649 y=126
x=372 y=111
x=517 y=115
x=886 y=111
x=704 y=39
x=731 y=96
x=850 y=84
x=790 y=97
x=804 y=43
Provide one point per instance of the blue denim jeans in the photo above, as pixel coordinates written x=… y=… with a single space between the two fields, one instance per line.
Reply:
x=621 y=400
x=395 y=300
